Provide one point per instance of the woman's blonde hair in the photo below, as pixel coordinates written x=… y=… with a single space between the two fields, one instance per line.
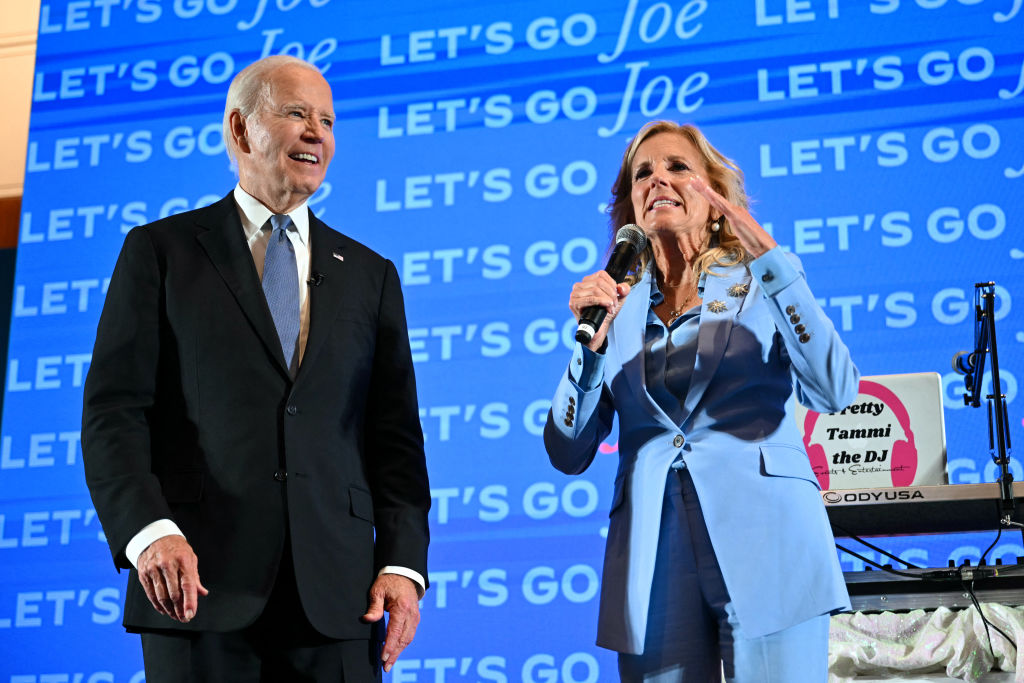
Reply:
x=721 y=173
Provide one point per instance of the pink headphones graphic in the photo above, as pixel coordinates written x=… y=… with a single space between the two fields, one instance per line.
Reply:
x=904 y=452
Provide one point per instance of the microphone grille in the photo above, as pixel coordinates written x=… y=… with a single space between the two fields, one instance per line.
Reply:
x=633 y=234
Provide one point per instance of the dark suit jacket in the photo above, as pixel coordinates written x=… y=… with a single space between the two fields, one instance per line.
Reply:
x=190 y=411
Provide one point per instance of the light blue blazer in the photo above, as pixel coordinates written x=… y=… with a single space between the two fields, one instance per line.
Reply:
x=771 y=345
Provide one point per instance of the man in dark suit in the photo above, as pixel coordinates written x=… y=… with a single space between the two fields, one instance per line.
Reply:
x=250 y=417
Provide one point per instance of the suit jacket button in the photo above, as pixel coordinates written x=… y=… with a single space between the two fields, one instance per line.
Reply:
x=568 y=422
x=799 y=329
x=794 y=319
x=291 y=410
x=678 y=441
x=280 y=475
x=804 y=338
x=572 y=401
x=767 y=277
x=790 y=310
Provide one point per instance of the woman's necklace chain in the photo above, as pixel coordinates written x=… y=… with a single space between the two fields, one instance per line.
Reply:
x=687 y=304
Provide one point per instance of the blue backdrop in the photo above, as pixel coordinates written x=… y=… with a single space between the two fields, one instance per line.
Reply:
x=477 y=143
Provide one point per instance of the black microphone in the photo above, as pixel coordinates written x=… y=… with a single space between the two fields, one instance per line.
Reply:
x=315 y=279
x=630 y=240
x=963 y=362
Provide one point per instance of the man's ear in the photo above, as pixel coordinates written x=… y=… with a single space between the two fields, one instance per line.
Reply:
x=236 y=124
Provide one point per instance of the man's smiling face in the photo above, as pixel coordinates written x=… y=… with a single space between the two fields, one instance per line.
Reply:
x=289 y=140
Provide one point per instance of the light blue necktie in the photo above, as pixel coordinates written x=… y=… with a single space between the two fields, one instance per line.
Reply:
x=281 y=287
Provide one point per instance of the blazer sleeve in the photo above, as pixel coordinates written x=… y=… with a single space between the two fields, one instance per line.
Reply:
x=394 y=456
x=119 y=392
x=581 y=414
x=824 y=376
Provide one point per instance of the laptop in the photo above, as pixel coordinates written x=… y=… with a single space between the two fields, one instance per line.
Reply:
x=893 y=434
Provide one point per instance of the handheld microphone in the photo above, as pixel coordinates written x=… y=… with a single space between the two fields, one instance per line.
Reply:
x=630 y=240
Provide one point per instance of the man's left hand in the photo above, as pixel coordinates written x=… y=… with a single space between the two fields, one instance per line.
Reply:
x=399 y=597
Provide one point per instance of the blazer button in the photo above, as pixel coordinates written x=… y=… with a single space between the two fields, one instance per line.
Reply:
x=799 y=329
x=572 y=401
x=767 y=277
x=568 y=422
x=280 y=475
x=291 y=410
x=794 y=319
x=804 y=338
x=790 y=310
x=678 y=441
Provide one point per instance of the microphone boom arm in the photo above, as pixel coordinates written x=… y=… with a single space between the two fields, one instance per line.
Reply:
x=974 y=381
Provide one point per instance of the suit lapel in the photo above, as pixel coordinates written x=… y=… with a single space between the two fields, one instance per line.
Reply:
x=715 y=328
x=630 y=327
x=223 y=241
x=328 y=267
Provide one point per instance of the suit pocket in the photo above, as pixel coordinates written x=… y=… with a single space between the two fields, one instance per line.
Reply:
x=361 y=504
x=182 y=487
x=354 y=311
x=353 y=318
x=780 y=460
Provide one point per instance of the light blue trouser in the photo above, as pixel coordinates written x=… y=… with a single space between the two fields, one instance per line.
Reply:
x=692 y=629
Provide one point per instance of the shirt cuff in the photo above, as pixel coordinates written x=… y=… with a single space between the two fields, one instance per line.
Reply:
x=774 y=271
x=146 y=537
x=417 y=578
x=586 y=368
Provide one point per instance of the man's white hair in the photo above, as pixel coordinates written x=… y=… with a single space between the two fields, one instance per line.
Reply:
x=249 y=89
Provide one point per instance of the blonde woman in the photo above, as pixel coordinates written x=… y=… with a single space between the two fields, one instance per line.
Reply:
x=719 y=549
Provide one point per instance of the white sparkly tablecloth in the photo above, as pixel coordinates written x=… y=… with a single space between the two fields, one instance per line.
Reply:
x=933 y=645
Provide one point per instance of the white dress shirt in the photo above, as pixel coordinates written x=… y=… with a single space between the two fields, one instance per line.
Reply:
x=256 y=227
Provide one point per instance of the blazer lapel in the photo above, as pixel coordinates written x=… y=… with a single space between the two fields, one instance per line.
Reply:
x=715 y=327
x=224 y=242
x=629 y=327
x=328 y=268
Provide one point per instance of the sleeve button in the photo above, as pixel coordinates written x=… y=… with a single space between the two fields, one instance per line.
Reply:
x=804 y=338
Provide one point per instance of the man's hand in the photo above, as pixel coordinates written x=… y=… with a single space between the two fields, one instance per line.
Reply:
x=168 y=571
x=398 y=596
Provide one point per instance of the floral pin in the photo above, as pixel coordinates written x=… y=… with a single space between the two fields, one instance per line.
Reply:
x=739 y=290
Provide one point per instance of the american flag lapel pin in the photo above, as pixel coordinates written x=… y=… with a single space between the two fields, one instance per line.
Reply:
x=337 y=254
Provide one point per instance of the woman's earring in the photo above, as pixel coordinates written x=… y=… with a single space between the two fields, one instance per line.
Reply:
x=716 y=226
